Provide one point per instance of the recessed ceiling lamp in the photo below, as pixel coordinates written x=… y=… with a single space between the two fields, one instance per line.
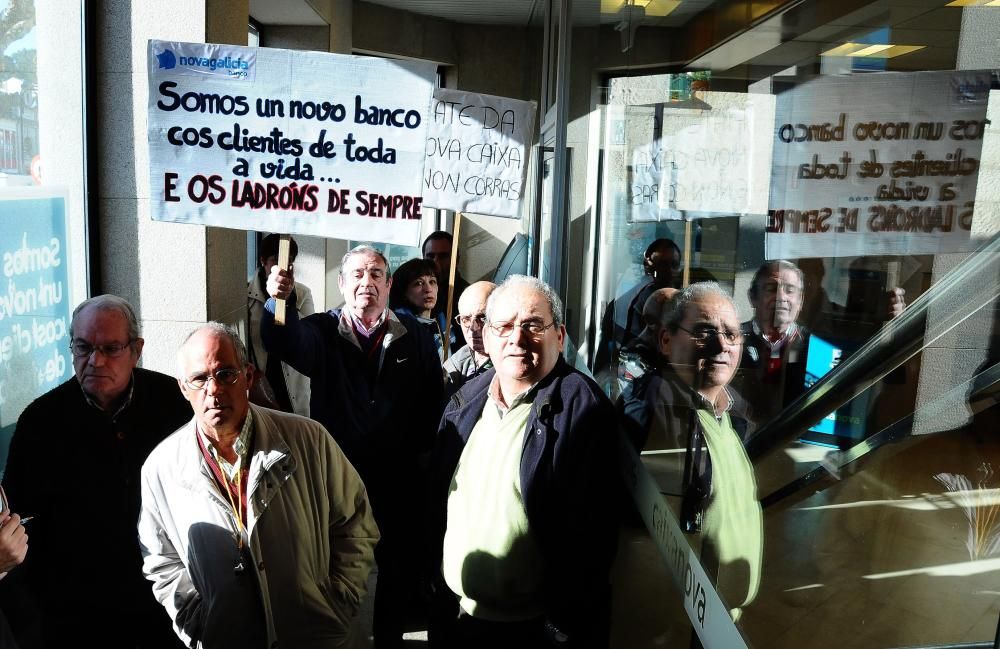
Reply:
x=877 y=51
x=652 y=8
x=974 y=3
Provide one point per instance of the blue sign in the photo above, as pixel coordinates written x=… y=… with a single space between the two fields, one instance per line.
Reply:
x=34 y=305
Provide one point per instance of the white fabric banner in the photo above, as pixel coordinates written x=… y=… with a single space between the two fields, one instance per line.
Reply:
x=283 y=141
x=877 y=164
x=477 y=153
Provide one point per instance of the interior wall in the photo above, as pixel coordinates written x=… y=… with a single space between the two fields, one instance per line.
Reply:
x=137 y=254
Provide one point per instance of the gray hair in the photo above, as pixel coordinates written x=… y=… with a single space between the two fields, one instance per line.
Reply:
x=364 y=249
x=108 y=302
x=219 y=330
x=533 y=283
x=692 y=293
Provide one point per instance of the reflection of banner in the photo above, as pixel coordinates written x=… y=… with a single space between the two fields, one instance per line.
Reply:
x=876 y=164
x=477 y=153
x=282 y=141
x=34 y=301
x=712 y=159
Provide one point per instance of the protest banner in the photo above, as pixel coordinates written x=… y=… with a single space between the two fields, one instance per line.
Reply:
x=281 y=141
x=709 y=157
x=477 y=153
x=34 y=301
x=877 y=164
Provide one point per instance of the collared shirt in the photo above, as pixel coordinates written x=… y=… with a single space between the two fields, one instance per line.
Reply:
x=496 y=397
x=368 y=331
x=705 y=403
x=778 y=344
x=241 y=446
x=125 y=403
x=491 y=558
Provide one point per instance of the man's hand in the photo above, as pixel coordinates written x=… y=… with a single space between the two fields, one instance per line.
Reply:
x=280 y=283
x=895 y=301
x=13 y=541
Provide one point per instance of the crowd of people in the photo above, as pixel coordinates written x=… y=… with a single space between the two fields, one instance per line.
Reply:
x=246 y=501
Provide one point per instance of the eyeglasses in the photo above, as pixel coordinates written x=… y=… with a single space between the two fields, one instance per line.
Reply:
x=528 y=328
x=701 y=337
x=468 y=320
x=83 y=349
x=227 y=376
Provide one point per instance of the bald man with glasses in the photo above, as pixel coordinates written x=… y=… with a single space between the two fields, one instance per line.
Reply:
x=74 y=464
x=524 y=485
x=688 y=412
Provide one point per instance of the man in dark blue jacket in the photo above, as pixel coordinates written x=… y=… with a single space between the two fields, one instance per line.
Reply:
x=524 y=486
x=376 y=384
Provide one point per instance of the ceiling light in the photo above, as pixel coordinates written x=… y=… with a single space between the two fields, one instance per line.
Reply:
x=874 y=51
x=974 y=3
x=653 y=8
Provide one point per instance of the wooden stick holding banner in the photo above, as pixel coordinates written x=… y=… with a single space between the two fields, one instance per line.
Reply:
x=446 y=343
x=687 y=254
x=279 y=304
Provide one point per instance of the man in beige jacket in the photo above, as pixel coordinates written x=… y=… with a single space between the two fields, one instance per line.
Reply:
x=255 y=529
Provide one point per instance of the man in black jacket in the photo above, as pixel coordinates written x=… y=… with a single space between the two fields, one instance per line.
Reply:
x=524 y=487
x=377 y=386
x=74 y=465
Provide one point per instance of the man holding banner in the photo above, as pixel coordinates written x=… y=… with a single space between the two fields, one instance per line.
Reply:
x=376 y=386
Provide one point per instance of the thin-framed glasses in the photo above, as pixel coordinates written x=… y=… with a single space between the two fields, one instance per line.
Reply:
x=529 y=328
x=468 y=320
x=83 y=349
x=701 y=337
x=227 y=376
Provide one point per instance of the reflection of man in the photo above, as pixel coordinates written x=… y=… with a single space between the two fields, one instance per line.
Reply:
x=775 y=346
x=471 y=360
x=773 y=367
x=289 y=390
x=377 y=387
x=643 y=354
x=623 y=319
x=524 y=490
x=438 y=248
x=255 y=528
x=689 y=406
x=76 y=454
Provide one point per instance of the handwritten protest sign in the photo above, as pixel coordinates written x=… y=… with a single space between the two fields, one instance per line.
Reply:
x=877 y=164
x=34 y=300
x=283 y=141
x=709 y=160
x=477 y=153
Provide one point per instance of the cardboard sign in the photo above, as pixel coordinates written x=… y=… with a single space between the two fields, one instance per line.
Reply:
x=477 y=153
x=282 y=141
x=712 y=158
x=877 y=164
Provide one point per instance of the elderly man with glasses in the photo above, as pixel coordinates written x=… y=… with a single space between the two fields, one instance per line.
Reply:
x=688 y=413
x=74 y=466
x=472 y=359
x=377 y=386
x=255 y=529
x=524 y=489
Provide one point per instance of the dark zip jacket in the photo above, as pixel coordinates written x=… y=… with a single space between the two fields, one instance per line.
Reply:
x=569 y=481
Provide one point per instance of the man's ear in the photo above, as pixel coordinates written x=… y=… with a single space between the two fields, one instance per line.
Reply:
x=139 y=342
x=251 y=374
x=184 y=389
x=665 y=342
